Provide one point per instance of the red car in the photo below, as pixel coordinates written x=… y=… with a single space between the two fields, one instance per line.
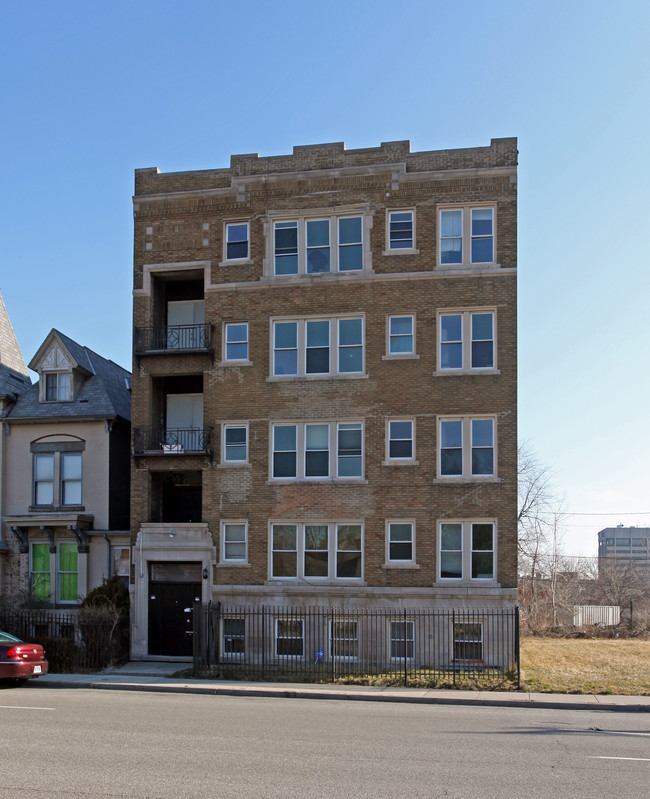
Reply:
x=19 y=660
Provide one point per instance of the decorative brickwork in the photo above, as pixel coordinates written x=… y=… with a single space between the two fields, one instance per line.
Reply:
x=180 y=261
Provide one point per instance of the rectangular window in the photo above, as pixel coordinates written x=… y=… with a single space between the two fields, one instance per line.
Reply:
x=235 y=443
x=349 y=456
x=482 y=236
x=68 y=573
x=350 y=244
x=466 y=550
x=315 y=551
x=317 y=454
x=285 y=450
x=284 y=545
x=401 y=335
x=466 y=236
x=466 y=340
x=482 y=551
x=317 y=451
x=348 y=550
x=236 y=341
x=400 y=230
x=285 y=245
x=289 y=637
x=344 y=639
x=40 y=572
x=468 y=641
x=317 y=246
x=402 y=637
x=400 y=440
x=467 y=447
x=317 y=352
x=234 y=537
x=44 y=479
x=234 y=636
x=350 y=346
x=57 y=387
x=318 y=347
x=236 y=241
x=71 y=478
x=400 y=542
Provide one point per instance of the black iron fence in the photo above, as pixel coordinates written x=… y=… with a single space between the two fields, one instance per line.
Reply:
x=314 y=644
x=174 y=337
x=172 y=441
x=73 y=641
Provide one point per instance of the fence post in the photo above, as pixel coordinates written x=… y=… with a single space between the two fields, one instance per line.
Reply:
x=453 y=647
x=263 y=640
x=405 y=651
x=517 y=647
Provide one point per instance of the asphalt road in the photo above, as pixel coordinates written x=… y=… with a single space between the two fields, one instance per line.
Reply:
x=83 y=743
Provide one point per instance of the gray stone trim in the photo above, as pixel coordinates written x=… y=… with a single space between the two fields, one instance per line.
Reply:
x=58 y=446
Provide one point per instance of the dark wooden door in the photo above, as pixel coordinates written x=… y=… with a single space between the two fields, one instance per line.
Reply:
x=170 y=617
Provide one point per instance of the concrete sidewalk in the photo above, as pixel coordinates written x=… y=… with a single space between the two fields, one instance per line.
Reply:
x=157 y=677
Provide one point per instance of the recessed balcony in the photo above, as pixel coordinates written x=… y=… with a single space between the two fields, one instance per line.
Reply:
x=171 y=441
x=172 y=339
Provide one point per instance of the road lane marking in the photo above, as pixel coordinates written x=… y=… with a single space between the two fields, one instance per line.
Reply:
x=24 y=707
x=605 y=757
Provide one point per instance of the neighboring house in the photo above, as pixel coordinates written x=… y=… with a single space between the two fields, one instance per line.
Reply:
x=324 y=390
x=14 y=379
x=627 y=547
x=66 y=475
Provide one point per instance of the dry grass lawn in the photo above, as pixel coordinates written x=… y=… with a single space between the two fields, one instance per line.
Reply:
x=585 y=666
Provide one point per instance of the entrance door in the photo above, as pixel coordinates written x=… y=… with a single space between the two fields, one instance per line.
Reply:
x=171 y=600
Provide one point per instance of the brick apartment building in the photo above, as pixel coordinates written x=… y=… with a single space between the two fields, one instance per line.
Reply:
x=324 y=384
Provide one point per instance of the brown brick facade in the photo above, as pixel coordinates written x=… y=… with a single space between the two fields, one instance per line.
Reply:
x=180 y=223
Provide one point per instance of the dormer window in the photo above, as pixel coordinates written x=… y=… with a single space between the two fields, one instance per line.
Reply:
x=57 y=387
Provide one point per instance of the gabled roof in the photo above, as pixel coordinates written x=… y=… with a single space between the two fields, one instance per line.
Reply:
x=103 y=393
x=14 y=378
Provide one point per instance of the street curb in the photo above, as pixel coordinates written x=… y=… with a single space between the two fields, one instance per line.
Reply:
x=279 y=693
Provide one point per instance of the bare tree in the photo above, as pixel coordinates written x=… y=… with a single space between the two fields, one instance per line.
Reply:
x=541 y=511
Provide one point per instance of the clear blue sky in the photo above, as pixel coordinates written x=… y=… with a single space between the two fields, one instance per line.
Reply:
x=92 y=90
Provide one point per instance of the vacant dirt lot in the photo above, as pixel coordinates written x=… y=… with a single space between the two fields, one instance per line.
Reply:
x=586 y=666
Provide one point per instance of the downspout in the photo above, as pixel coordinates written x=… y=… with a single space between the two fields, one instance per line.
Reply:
x=108 y=556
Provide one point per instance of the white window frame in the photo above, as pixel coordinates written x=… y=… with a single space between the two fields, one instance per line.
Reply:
x=334 y=453
x=63 y=480
x=230 y=561
x=341 y=620
x=300 y=218
x=390 y=248
x=467 y=447
x=466 y=341
x=466 y=236
x=231 y=657
x=56 y=456
x=225 y=461
x=399 y=562
x=333 y=552
x=51 y=456
x=409 y=625
x=60 y=572
x=232 y=224
x=335 y=348
x=390 y=355
x=61 y=395
x=246 y=358
x=276 y=637
x=460 y=641
x=398 y=461
x=467 y=551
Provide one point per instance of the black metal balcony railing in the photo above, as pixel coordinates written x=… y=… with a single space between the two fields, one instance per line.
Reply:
x=170 y=442
x=175 y=337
